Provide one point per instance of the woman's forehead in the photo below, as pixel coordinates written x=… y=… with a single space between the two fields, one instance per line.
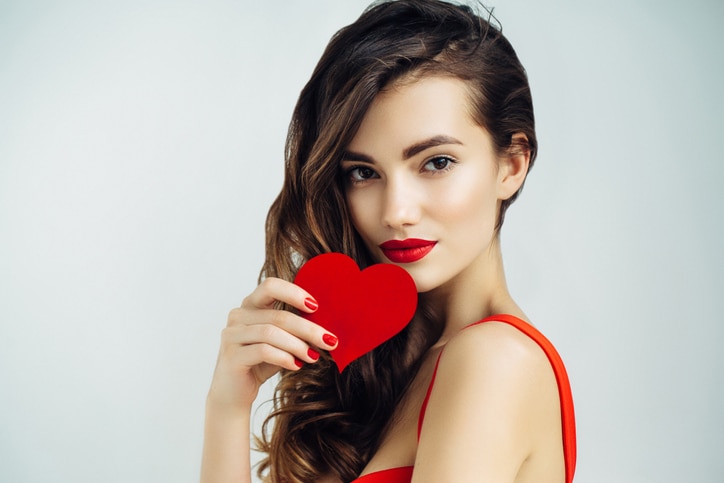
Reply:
x=408 y=113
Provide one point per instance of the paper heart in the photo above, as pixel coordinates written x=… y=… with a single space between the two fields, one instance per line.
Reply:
x=362 y=308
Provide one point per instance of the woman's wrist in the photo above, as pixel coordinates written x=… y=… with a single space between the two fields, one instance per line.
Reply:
x=223 y=408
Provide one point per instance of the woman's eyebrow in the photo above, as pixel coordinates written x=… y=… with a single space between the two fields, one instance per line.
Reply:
x=438 y=140
x=408 y=152
x=352 y=156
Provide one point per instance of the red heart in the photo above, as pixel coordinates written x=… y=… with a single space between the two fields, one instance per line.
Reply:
x=362 y=308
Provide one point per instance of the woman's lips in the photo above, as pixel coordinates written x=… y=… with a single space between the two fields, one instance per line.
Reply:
x=407 y=251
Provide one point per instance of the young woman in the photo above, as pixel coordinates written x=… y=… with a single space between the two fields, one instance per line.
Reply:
x=408 y=144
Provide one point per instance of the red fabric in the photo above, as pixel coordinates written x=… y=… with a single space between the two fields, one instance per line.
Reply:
x=393 y=475
x=568 y=421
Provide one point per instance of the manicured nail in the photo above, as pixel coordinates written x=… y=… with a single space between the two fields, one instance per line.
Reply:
x=298 y=363
x=311 y=304
x=329 y=339
x=314 y=355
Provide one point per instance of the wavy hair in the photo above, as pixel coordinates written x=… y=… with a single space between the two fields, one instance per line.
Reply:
x=324 y=422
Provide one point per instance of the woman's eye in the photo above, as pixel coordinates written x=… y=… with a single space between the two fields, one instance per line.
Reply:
x=361 y=173
x=440 y=163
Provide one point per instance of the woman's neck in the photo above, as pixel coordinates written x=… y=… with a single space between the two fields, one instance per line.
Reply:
x=477 y=292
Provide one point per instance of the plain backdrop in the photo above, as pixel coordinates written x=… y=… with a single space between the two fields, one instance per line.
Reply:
x=141 y=144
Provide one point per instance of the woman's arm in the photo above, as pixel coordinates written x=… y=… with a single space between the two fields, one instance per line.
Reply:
x=257 y=342
x=226 y=454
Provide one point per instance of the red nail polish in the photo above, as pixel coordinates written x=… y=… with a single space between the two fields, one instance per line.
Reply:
x=311 y=304
x=314 y=355
x=329 y=339
x=298 y=363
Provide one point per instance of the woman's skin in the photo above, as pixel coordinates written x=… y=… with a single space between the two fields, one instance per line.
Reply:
x=418 y=167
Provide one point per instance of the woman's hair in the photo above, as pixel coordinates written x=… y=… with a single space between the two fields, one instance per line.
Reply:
x=325 y=422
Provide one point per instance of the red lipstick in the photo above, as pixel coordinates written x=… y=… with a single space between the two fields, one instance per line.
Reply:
x=407 y=251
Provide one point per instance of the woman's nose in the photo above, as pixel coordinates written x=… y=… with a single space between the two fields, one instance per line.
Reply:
x=400 y=205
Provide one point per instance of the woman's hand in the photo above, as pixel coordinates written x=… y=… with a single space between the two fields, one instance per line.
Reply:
x=259 y=340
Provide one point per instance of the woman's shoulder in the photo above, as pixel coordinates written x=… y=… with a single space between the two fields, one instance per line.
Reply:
x=494 y=394
x=488 y=352
x=505 y=346
x=497 y=370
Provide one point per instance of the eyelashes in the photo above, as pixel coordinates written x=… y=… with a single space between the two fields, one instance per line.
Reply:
x=360 y=174
x=435 y=165
x=439 y=164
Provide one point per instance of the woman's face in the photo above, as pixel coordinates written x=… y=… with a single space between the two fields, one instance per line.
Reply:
x=423 y=182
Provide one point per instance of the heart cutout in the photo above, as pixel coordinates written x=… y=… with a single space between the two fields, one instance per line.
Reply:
x=362 y=308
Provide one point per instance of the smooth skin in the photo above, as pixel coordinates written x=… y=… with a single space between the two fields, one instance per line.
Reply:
x=257 y=342
x=418 y=167
x=494 y=414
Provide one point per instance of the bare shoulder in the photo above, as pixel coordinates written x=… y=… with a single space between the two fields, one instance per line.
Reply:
x=493 y=405
x=495 y=345
x=498 y=366
x=496 y=363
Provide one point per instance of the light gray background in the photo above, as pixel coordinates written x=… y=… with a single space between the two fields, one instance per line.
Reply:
x=141 y=143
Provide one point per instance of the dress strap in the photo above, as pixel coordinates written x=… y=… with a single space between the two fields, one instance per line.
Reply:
x=568 y=421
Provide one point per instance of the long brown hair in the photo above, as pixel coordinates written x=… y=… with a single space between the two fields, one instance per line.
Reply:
x=324 y=422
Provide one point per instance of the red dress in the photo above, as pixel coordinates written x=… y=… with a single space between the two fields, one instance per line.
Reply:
x=568 y=422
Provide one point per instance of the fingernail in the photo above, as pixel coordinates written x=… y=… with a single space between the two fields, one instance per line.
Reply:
x=298 y=363
x=311 y=304
x=329 y=339
x=314 y=355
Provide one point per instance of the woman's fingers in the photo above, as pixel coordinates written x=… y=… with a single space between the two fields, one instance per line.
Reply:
x=259 y=340
x=260 y=355
x=273 y=290
x=293 y=324
x=257 y=309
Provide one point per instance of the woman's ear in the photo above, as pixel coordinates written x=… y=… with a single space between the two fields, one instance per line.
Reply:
x=513 y=166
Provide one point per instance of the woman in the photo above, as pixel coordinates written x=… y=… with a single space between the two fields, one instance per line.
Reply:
x=408 y=144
